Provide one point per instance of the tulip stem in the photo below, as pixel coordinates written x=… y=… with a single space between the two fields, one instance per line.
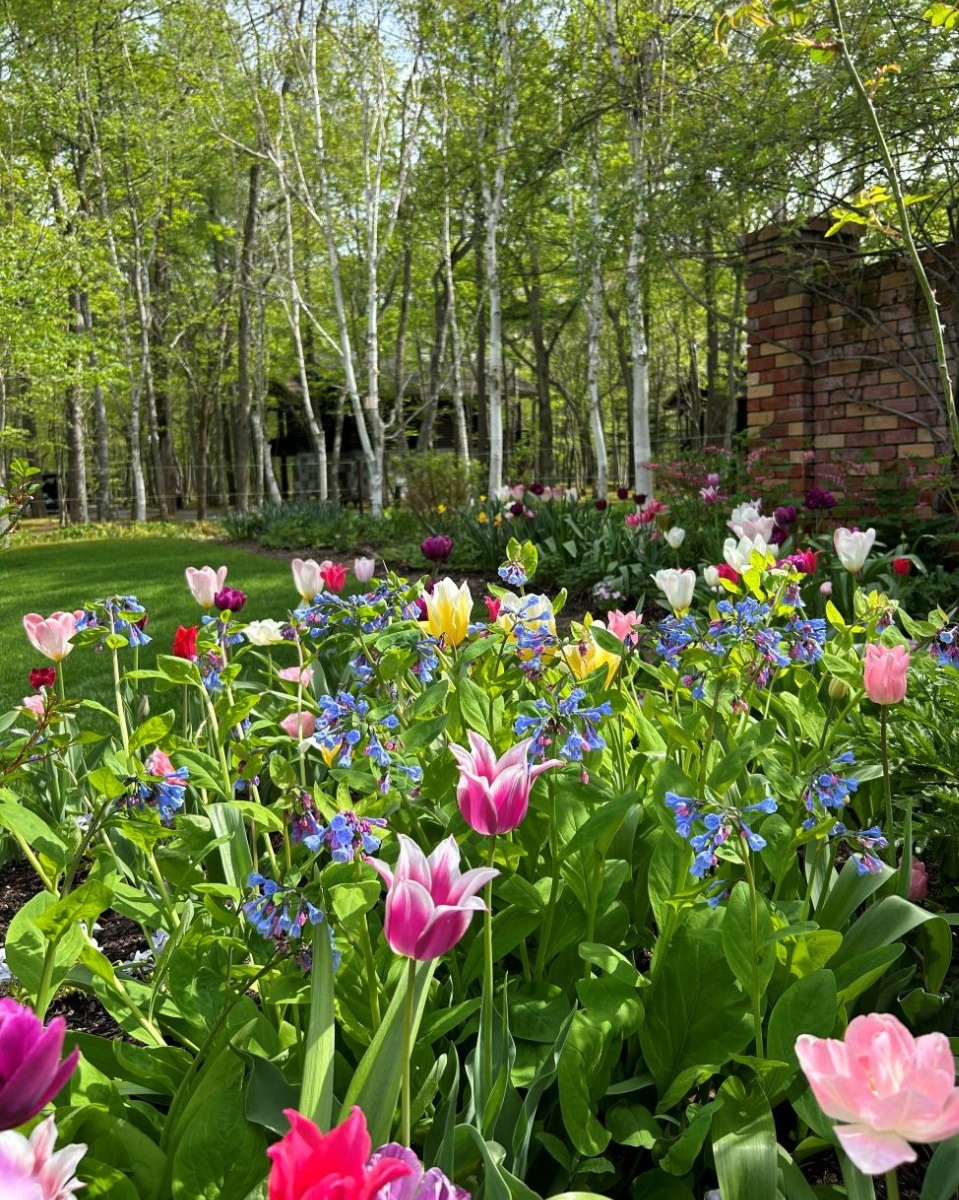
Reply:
x=892 y=1185
x=905 y=867
x=541 y=949
x=60 y=688
x=405 y=1131
x=755 y=982
x=117 y=692
x=486 y=1012
x=887 y=783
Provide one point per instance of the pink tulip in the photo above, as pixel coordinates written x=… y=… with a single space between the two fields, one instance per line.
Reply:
x=884 y=673
x=30 y=1169
x=333 y=576
x=429 y=903
x=363 y=569
x=205 y=583
x=299 y=725
x=889 y=1087
x=34 y=704
x=493 y=793
x=918 y=881
x=51 y=636
x=301 y=675
x=308 y=576
x=624 y=625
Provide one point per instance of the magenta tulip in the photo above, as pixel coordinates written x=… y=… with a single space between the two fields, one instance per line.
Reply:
x=32 y=1069
x=51 y=635
x=884 y=673
x=888 y=1087
x=429 y=903
x=493 y=793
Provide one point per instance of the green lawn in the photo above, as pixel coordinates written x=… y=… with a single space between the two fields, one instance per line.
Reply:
x=63 y=575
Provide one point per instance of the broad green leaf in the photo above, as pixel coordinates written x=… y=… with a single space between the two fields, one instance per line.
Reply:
x=267 y=1095
x=582 y=1082
x=220 y=1154
x=316 y=1096
x=849 y=891
x=153 y=729
x=810 y=1005
x=695 y=1011
x=942 y=1174
x=744 y=1143
x=85 y=903
x=26 y=946
x=744 y=962
x=25 y=823
x=888 y=921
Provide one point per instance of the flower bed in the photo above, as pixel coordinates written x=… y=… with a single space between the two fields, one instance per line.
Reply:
x=632 y=911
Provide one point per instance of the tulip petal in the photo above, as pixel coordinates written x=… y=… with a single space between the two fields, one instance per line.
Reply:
x=409 y=909
x=413 y=863
x=469 y=883
x=444 y=930
x=444 y=870
x=872 y=1152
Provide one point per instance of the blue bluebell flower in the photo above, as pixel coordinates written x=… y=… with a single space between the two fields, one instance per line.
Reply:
x=346 y=836
x=718 y=823
x=278 y=912
x=862 y=842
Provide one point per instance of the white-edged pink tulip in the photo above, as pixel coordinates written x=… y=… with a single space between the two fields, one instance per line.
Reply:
x=429 y=901
x=51 y=635
x=493 y=793
x=205 y=583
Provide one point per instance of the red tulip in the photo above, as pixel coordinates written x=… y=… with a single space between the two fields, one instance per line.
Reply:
x=310 y=1165
x=184 y=641
x=43 y=677
x=334 y=576
x=902 y=566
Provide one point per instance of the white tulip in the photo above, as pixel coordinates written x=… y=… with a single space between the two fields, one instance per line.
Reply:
x=264 y=633
x=853 y=546
x=678 y=587
x=674 y=537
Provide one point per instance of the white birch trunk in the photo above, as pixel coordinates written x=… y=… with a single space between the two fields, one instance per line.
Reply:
x=635 y=262
x=595 y=317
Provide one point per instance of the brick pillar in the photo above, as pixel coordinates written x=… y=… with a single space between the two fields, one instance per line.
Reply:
x=780 y=313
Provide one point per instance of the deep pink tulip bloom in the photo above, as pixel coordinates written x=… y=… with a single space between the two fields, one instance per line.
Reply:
x=31 y=1069
x=889 y=1087
x=51 y=635
x=429 y=903
x=205 y=583
x=310 y=1165
x=884 y=673
x=493 y=793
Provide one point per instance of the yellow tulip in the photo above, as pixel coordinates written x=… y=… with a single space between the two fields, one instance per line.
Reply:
x=448 y=611
x=585 y=656
x=482 y=518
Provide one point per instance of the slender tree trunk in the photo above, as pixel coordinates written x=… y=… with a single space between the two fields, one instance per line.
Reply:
x=544 y=398
x=595 y=318
x=244 y=409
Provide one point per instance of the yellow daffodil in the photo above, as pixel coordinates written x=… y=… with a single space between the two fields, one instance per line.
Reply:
x=482 y=518
x=441 y=508
x=448 y=611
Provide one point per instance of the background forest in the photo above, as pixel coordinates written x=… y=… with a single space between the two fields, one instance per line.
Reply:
x=257 y=250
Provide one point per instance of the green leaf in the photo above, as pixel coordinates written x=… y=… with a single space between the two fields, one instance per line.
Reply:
x=695 y=1011
x=498 y=1183
x=474 y=707
x=267 y=1095
x=810 y=1005
x=633 y=1125
x=235 y=857
x=316 y=1097
x=744 y=1143
x=942 y=1174
x=153 y=729
x=888 y=921
x=220 y=1155
x=375 y=1085
x=84 y=903
x=25 y=823
x=425 y=732
x=849 y=892
x=205 y=771
x=177 y=670
x=582 y=1084
x=737 y=940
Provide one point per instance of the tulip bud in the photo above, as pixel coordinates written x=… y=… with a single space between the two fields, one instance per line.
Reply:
x=837 y=689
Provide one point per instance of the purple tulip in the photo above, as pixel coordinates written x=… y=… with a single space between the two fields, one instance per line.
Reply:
x=31 y=1068
x=818 y=497
x=419 y=1184
x=785 y=515
x=229 y=600
x=437 y=548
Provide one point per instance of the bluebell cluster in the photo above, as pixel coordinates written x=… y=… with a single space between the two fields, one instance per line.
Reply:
x=534 y=632
x=276 y=912
x=746 y=623
x=166 y=794
x=340 y=727
x=513 y=574
x=864 y=841
x=706 y=825
x=370 y=613
x=228 y=633
x=211 y=664
x=346 y=836
x=112 y=615
x=945 y=648
x=829 y=790
x=570 y=720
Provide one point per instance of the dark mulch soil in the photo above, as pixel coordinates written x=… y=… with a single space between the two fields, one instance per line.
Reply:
x=118 y=937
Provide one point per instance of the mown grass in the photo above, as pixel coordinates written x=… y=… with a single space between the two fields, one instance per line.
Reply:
x=63 y=575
